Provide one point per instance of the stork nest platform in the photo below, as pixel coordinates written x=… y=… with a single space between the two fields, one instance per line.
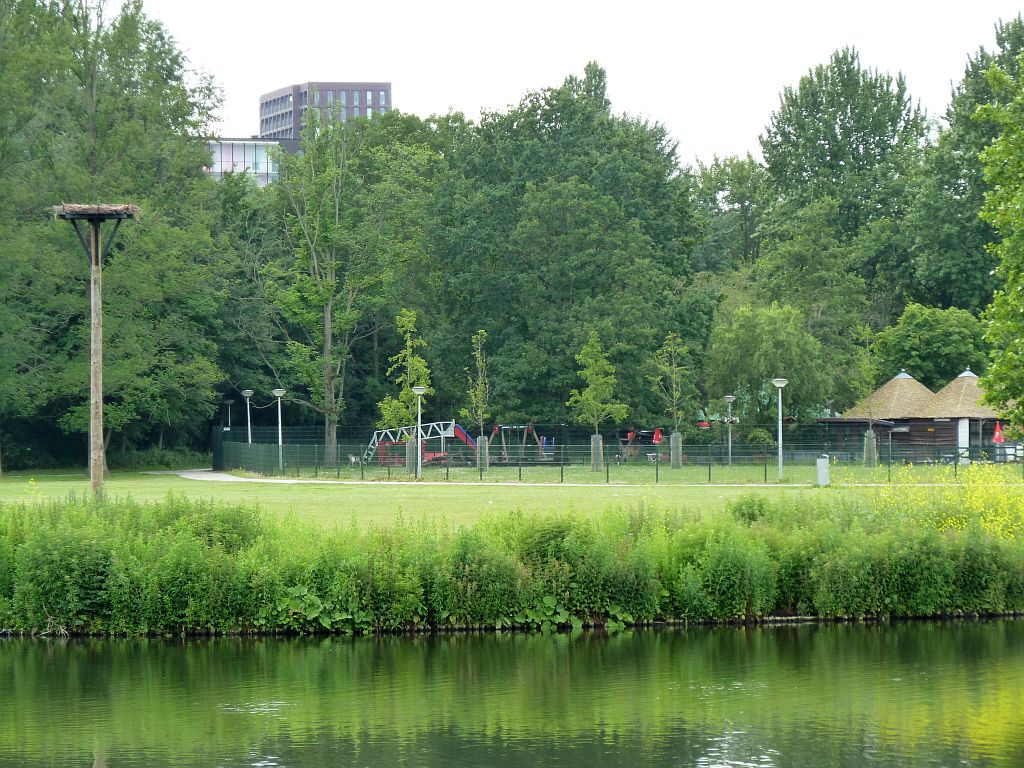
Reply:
x=95 y=211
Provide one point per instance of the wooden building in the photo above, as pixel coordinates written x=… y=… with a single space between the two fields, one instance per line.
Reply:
x=916 y=424
x=958 y=405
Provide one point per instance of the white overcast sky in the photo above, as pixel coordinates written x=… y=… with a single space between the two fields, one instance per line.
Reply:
x=711 y=72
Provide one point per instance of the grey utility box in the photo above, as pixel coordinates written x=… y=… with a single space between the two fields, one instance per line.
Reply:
x=823 y=470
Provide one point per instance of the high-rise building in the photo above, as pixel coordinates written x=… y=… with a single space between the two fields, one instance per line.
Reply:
x=281 y=110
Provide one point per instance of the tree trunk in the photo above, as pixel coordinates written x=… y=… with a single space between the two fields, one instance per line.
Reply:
x=330 y=439
x=330 y=401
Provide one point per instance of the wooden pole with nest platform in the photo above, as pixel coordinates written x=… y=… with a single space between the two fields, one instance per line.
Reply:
x=96 y=250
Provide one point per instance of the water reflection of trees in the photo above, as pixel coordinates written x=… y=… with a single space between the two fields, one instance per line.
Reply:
x=902 y=683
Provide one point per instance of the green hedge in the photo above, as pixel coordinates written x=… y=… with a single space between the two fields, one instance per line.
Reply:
x=158 y=458
x=187 y=566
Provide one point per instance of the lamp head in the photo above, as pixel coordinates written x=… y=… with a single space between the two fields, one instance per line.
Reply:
x=246 y=393
x=729 y=399
x=780 y=383
x=278 y=392
x=419 y=391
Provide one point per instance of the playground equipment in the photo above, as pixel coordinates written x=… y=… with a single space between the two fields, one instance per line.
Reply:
x=637 y=443
x=383 y=442
x=510 y=443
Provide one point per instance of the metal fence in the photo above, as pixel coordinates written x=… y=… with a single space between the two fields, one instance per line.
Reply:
x=566 y=457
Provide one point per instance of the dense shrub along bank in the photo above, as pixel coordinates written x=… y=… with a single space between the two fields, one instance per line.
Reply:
x=188 y=566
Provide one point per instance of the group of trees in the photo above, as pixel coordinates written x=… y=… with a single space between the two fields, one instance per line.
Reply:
x=397 y=250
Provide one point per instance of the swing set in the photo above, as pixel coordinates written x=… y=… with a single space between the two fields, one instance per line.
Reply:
x=512 y=443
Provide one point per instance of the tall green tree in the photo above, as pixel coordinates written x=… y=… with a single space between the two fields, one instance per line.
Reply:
x=757 y=344
x=951 y=264
x=847 y=133
x=595 y=404
x=1004 y=171
x=355 y=217
x=732 y=193
x=123 y=119
x=409 y=370
x=478 y=385
x=558 y=217
x=805 y=264
x=933 y=345
x=246 y=237
x=673 y=380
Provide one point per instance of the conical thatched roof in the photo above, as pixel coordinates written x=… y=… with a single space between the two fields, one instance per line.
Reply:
x=960 y=399
x=901 y=397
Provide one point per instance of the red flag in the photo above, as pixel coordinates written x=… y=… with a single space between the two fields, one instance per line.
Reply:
x=997 y=436
x=657 y=436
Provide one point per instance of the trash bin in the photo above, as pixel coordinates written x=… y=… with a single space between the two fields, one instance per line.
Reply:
x=823 y=464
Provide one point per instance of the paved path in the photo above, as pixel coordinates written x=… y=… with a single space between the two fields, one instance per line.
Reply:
x=225 y=477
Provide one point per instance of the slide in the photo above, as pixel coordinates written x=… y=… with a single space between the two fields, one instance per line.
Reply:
x=460 y=434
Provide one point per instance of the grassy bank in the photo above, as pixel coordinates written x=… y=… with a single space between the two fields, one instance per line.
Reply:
x=380 y=504
x=185 y=566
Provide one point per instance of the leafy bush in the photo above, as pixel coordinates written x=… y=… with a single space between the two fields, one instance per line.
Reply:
x=181 y=566
x=750 y=508
x=60 y=580
x=739 y=577
x=479 y=585
x=760 y=436
x=231 y=528
x=158 y=458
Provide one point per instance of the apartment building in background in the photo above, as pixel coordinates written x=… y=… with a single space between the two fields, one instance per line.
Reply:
x=281 y=110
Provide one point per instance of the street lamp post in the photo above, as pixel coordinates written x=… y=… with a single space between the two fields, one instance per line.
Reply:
x=779 y=384
x=728 y=420
x=229 y=402
x=247 y=393
x=419 y=430
x=279 y=393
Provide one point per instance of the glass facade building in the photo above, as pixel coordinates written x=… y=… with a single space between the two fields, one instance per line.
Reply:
x=250 y=156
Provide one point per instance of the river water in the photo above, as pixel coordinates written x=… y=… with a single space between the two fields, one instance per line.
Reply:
x=920 y=694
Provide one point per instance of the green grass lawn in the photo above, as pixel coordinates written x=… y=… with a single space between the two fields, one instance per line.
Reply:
x=385 y=503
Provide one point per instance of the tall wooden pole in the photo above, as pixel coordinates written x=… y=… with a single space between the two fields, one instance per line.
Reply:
x=95 y=214
x=97 y=464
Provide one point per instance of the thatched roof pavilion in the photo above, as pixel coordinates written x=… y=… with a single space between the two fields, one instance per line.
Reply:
x=902 y=397
x=960 y=399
